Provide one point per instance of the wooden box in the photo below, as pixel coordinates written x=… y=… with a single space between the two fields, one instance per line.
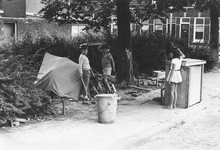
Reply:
x=190 y=89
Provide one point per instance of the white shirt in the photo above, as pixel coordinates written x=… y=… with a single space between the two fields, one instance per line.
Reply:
x=177 y=62
x=83 y=63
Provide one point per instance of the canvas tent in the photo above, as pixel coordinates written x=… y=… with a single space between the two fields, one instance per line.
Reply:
x=60 y=75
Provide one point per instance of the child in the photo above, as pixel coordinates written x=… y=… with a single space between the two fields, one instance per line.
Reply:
x=85 y=71
x=174 y=76
x=108 y=64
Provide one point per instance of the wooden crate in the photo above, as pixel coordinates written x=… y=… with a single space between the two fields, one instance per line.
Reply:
x=190 y=90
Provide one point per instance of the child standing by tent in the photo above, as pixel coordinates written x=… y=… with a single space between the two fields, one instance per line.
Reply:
x=85 y=71
x=174 y=76
x=108 y=64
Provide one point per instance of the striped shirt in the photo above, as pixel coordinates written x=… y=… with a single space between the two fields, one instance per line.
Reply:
x=106 y=60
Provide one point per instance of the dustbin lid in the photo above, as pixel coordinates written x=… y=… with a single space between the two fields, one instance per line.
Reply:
x=106 y=95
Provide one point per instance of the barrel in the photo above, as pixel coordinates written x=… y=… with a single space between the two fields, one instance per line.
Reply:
x=106 y=107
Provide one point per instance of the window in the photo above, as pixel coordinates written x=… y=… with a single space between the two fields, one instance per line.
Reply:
x=185 y=20
x=198 y=35
x=145 y=27
x=114 y=28
x=158 y=25
x=219 y=31
x=1 y=8
x=77 y=29
x=10 y=29
x=133 y=27
x=173 y=27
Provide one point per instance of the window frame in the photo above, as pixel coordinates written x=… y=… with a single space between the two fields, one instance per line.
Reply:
x=15 y=28
x=173 y=23
x=194 y=31
x=147 y=24
x=154 y=25
x=79 y=30
x=181 y=22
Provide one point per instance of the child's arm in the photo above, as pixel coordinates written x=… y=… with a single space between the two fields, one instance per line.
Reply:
x=113 y=63
x=80 y=66
x=181 y=53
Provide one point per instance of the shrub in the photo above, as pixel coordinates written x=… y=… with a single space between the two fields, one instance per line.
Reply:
x=149 y=51
x=203 y=52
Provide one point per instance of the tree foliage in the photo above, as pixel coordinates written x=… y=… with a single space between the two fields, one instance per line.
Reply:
x=78 y=11
x=204 y=5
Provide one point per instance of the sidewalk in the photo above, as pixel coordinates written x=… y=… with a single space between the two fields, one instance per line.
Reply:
x=136 y=122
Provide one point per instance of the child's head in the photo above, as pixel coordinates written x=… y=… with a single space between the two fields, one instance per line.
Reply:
x=170 y=56
x=104 y=48
x=168 y=48
x=176 y=53
x=84 y=48
x=172 y=51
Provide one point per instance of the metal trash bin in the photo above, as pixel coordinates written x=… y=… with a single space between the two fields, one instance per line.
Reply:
x=106 y=107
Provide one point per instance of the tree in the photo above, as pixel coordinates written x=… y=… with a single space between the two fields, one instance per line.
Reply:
x=124 y=40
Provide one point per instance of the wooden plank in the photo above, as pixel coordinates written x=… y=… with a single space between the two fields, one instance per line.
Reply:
x=182 y=100
x=202 y=74
x=192 y=62
x=194 y=85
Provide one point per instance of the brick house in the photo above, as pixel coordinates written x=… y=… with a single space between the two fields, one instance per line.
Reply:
x=20 y=16
x=192 y=26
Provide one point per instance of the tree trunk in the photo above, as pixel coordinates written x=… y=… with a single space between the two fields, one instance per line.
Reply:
x=214 y=39
x=125 y=66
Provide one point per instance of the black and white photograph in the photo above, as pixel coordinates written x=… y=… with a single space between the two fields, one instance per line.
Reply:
x=109 y=74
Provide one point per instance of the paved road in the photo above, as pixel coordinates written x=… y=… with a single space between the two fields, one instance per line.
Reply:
x=200 y=130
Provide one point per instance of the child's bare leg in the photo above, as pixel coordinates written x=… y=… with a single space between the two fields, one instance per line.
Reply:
x=105 y=82
x=175 y=95
x=172 y=94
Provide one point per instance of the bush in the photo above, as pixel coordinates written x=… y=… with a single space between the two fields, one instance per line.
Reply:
x=149 y=51
x=203 y=52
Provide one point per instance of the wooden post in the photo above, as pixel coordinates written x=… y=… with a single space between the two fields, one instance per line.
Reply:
x=64 y=111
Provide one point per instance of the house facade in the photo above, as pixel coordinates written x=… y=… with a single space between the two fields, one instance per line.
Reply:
x=192 y=26
x=18 y=17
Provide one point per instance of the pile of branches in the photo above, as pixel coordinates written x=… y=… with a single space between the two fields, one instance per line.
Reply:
x=18 y=95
